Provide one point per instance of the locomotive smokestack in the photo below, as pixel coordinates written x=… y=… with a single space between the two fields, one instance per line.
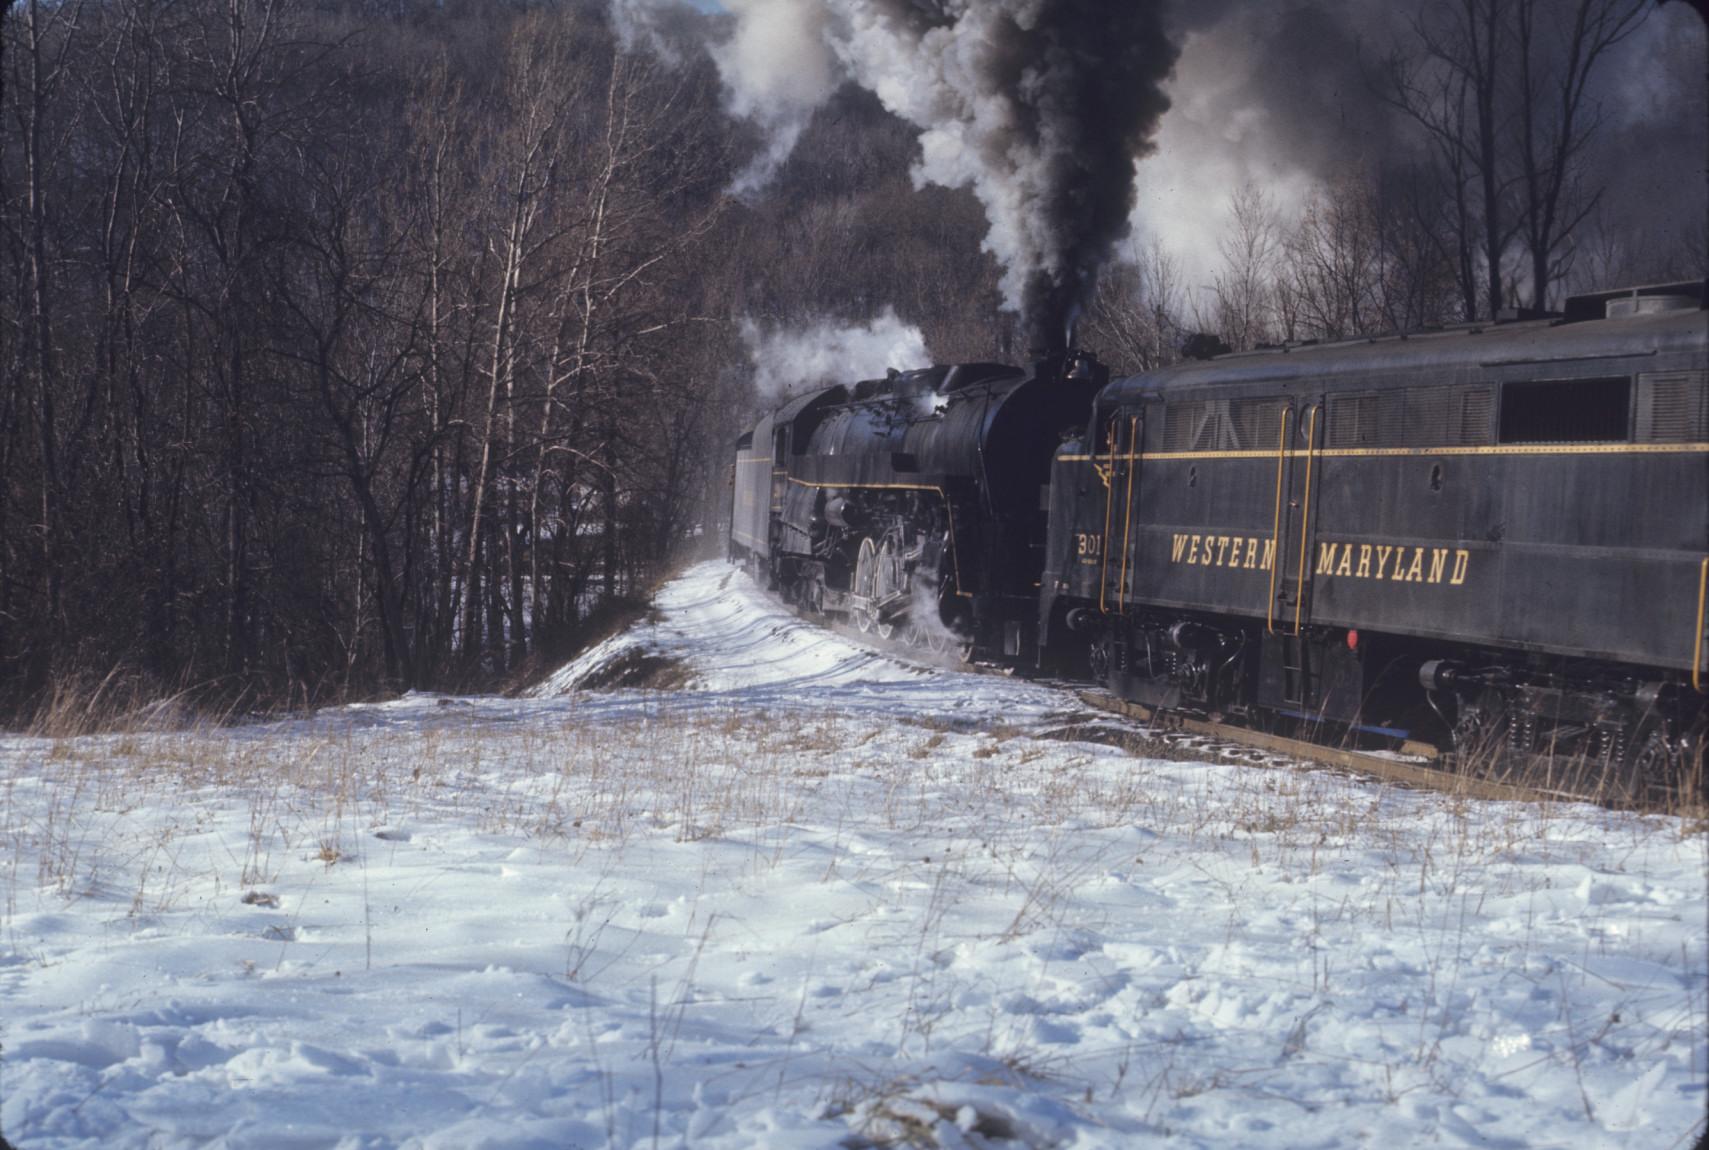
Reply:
x=1070 y=367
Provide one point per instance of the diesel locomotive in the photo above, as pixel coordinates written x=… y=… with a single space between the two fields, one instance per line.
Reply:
x=1492 y=539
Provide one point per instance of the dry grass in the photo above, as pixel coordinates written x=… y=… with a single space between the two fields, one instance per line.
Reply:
x=1682 y=792
x=638 y=669
x=119 y=702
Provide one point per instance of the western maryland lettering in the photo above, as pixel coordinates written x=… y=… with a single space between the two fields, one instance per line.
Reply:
x=1223 y=551
x=1395 y=562
x=1398 y=564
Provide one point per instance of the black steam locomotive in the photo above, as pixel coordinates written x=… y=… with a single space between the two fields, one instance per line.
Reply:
x=913 y=502
x=1493 y=538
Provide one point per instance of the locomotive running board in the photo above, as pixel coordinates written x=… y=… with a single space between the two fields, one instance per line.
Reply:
x=1392 y=770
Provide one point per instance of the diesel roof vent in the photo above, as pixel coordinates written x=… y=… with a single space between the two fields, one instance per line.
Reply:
x=1635 y=301
x=1204 y=345
x=1649 y=305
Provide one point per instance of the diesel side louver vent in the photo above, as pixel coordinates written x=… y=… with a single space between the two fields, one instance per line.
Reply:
x=1421 y=417
x=1372 y=420
x=1673 y=407
x=1255 y=424
x=1189 y=427
x=1222 y=425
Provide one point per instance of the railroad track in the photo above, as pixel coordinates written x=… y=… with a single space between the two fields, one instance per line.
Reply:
x=1414 y=765
x=1410 y=767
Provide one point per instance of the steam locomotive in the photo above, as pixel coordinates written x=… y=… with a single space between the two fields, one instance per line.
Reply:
x=1490 y=538
x=913 y=502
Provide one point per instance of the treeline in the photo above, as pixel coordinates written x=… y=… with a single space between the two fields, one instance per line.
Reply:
x=344 y=347
x=353 y=346
x=350 y=346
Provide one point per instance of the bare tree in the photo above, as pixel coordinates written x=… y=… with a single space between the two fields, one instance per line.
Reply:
x=527 y=162
x=1245 y=289
x=1557 y=122
x=1327 y=265
x=1136 y=316
x=349 y=323
x=438 y=188
x=1421 y=277
x=1449 y=82
x=49 y=35
x=1502 y=90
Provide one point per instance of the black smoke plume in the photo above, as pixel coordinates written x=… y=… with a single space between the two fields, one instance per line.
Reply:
x=1041 y=107
x=1064 y=97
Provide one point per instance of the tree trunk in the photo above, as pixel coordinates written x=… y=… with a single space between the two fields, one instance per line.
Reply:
x=41 y=332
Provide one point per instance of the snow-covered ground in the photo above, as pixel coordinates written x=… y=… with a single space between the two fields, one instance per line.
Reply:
x=816 y=897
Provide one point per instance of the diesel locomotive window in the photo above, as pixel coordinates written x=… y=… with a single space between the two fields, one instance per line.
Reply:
x=1566 y=411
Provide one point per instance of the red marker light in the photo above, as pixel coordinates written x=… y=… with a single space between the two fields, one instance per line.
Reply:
x=1352 y=640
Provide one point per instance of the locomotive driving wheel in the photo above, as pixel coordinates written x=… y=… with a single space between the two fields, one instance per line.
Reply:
x=886 y=582
x=943 y=638
x=865 y=572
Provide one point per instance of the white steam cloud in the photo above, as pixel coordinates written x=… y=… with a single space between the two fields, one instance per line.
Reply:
x=777 y=68
x=791 y=361
x=1284 y=95
x=1218 y=137
x=1276 y=95
x=932 y=78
